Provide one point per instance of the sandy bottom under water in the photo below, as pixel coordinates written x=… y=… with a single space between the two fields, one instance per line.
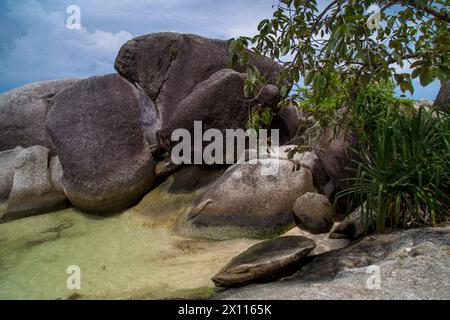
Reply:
x=118 y=259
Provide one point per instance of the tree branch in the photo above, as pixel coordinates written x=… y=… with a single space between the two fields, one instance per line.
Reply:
x=442 y=15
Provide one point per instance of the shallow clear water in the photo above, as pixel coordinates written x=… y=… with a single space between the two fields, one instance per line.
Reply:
x=134 y=255
x=118 y=259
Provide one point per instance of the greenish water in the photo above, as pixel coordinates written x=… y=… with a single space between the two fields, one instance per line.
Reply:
x=134 y=255
x=118 y=259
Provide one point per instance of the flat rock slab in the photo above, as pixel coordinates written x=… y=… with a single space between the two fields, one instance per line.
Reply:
x=412 y=264
x=264 y=261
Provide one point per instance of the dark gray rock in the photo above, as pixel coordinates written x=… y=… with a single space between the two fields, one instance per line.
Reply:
x=355 y=225
x=287 y=120
x=250 y=200
x=264 y=261
x=314 y=213
x=149 y=117
x=96 y=127
x=33 y=191
x=335 y=150
x=412 y=264
x=165 y=168
x=7 y=161
x=23 y=112
x=217 y=102
x=308 y=159
x=169 y=66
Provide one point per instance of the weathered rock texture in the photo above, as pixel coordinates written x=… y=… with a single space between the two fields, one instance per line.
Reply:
x=218 y=102
x=23 y=112
x=184 y=75
x=287 y=120
x=96 y=127
x=249 y=200
x=314 y=213
x=413 y=264
x=169 y=66
x=165 y=203
x=264 y=261
x=7 y=160
x=335 y=150
x=36 y=185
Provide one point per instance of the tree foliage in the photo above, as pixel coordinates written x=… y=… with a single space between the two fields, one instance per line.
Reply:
x=336 y=42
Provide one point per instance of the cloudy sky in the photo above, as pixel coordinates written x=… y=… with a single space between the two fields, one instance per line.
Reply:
x=36 y=45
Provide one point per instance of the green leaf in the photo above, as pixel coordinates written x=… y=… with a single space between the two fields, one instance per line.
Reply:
x=310 y=76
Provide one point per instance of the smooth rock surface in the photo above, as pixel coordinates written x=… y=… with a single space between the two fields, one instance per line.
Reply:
x=314 y=213
x=96 y=126
x=413 y=264
x=23 y=112
x=249 y=200
x=264 y=261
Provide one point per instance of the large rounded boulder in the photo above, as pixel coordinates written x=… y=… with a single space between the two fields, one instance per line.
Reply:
x=252 y=199
x=23 y=112
x=169 y=67
x=314 y=213
x=96 y=127
x=219 y=103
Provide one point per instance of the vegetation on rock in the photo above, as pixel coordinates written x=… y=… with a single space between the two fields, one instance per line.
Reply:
x=351 y=67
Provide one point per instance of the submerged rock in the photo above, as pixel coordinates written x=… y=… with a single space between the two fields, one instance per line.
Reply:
x=96 y=127
x=35 y=190
x=411 y=264
x=23 y=112
x=250 y=200
x=314 y=213
x=264 y=261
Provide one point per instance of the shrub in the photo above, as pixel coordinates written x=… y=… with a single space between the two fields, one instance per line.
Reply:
x=404 y=175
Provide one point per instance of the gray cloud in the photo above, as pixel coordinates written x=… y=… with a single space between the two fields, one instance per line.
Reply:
x=35 y=44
